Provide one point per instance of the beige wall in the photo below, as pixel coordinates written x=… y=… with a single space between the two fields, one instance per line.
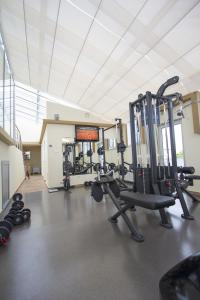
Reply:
x=16 y=165
x=72 y=114
x=35 y=160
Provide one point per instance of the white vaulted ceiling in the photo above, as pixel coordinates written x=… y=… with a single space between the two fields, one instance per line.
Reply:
x=101 y=54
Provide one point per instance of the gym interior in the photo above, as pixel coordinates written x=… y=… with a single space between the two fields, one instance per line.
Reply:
x=99 y=149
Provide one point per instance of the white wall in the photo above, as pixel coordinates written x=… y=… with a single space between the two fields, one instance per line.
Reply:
x=44 y=158
x=52 y=153
x=55 y=134
x=17 y=175
x=191 y=145
x=72 y=114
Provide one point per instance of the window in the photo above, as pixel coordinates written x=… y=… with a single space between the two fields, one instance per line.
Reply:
x=6 y=93
x=27 y=155
x=167 y=146
x=137 y=135
x=86 y=147
x=30 y=111
x=129 y=134
x=111 y=144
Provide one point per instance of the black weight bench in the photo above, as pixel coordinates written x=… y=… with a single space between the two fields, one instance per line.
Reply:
x=148 y=201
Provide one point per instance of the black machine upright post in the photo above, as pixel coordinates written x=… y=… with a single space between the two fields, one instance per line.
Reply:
x=152 y=147
x=90 y=157
x=172 y=135
x=103 y=144
x=121 y=141
x=74 y=155
x=83 y=154
x=133 y=143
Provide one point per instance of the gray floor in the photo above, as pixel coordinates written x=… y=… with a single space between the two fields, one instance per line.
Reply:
x=70 y=251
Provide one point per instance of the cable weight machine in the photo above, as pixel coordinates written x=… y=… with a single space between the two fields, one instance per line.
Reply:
x=155 y=176
x=121 y=147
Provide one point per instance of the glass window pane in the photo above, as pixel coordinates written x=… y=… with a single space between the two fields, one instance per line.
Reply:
x=7 y=103
x=167 y=145
x=1 y=87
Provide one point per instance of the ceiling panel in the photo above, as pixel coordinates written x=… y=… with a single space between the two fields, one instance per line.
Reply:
x=151 y=10
x=74 y=19
x=188 y=27
x=192 y=59
x=177 y=12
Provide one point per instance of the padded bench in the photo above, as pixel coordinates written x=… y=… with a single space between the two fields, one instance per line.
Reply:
x=148 y=201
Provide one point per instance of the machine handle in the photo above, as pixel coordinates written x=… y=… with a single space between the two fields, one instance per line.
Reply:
x=165 y=85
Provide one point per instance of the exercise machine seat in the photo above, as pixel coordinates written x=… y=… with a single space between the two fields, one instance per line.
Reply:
x=192 y=177
x=186 y=170
x=182 y=281
x=149 y=201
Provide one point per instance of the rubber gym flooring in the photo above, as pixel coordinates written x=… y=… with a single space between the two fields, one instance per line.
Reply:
x=70 y=251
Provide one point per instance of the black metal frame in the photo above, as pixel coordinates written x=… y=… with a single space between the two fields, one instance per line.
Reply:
x=119 y=125
x=148 y=97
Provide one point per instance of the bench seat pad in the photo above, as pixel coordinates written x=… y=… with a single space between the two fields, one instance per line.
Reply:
x=149 y=201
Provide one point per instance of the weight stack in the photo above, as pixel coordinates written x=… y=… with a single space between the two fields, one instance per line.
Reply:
x=143 y=180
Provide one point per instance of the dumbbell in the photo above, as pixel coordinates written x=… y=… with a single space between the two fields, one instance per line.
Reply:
x=7 y=224
x=9 y=218
x=17 y=197
x=4 y=235
x=26 y=214
x=15 y=219
x=18 y=205
x=13 y=211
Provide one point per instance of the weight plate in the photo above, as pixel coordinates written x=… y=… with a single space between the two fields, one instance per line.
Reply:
x=26 y=209
x=10 y=215
x=100 y=151
x=8 y=218
x=89 y=153
x=111 y=166
x=18 y=219
x=26 y=216
x=97 y=192
x=13 y=211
